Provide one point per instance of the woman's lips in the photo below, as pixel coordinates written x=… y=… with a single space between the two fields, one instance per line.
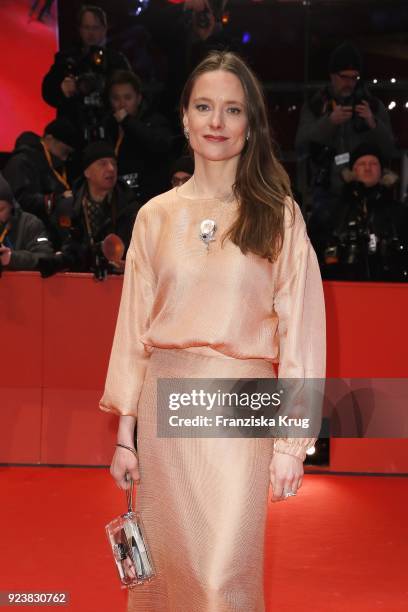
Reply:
x=216 y=138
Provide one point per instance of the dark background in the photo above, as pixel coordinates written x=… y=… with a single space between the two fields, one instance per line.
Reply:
x=290 y=42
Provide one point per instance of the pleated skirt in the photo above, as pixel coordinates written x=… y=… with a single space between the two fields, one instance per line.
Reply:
x=203 y=501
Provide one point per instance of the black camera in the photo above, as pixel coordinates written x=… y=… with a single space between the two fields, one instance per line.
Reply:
x=90 y=76
x=359 y=95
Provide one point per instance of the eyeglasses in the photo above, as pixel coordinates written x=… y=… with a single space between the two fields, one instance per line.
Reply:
x=347 y=77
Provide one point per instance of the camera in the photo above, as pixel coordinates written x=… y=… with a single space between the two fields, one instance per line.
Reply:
x=90 y=77
x=359 y=95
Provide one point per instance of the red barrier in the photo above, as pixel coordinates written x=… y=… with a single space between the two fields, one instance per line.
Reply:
x=56 y=338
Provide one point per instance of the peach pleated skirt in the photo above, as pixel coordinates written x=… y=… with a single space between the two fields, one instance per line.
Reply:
x=203 y=501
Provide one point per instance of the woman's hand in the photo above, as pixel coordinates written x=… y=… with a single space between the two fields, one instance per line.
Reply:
x=286 y=475
x=124 y=462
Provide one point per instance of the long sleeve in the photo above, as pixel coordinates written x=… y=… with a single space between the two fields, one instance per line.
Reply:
x=128 y=359
x=314 y=129
x=32 y=244
x=299 y=304
x=382 y=135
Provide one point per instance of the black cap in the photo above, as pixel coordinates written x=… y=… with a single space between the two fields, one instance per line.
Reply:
x=345 y=57
x=5 y=191
x=97 y=150
x=63 y=130
x=366 y=149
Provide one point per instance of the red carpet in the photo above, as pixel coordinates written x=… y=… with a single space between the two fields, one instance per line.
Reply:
x=342 y=544
x=27 y=51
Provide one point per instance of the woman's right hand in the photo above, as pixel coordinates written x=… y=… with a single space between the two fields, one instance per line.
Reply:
x=124 y=462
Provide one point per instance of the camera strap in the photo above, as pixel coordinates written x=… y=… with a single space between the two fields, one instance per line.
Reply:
x=61 y=177
x=87 y=220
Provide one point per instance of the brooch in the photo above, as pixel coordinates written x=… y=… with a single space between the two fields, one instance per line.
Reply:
x=207 y=231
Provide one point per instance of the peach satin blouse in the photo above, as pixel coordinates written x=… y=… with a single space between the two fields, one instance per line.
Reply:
x=179 y=294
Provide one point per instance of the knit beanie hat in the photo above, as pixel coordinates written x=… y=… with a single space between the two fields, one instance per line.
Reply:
x=345 y=57
x=366 y=149
x=97 y=150
x=63 y=130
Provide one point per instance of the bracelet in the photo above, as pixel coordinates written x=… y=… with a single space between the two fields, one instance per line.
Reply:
x=132 y=450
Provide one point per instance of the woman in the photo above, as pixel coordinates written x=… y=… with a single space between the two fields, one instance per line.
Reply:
x=142 y=138
x=195 y=308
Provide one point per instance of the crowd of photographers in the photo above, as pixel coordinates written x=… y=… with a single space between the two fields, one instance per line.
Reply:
x=69 y=198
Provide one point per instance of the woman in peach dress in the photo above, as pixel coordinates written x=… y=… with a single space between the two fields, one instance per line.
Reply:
x=196 y=306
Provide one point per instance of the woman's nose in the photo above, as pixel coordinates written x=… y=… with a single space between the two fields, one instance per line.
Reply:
x=216 y=119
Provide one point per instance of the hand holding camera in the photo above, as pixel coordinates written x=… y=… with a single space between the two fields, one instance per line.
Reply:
x=341 y=114
x=68 y=86
x=5 y=255
x=364 y=111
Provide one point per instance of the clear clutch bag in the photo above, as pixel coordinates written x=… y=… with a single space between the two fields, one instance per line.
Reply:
x=131 y=553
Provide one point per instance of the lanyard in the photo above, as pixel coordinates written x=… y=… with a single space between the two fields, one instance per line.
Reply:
x=119 y=141
x=61 y=177
x=5 y=232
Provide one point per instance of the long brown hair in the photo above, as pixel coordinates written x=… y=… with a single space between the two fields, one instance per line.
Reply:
x=262 y=184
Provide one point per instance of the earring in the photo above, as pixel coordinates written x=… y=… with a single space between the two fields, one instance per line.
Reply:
x=186 y=133
x=248 y=134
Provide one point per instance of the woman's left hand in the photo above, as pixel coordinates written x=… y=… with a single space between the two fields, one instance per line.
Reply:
x=286 y=472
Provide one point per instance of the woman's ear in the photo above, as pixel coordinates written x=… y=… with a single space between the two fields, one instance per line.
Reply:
x=185 y=120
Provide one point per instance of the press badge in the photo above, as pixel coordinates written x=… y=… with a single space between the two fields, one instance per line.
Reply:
x=342 y=159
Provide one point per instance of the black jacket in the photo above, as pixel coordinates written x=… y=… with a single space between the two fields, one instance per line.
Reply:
x=144 y=154
x=30 y=176
x=74 y=61
x=319 y=140
x=121 y=210
x=369 y=231
x=28 y=240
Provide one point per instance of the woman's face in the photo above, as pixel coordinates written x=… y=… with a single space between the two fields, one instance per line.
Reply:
x=216 y=117
x=123 y=96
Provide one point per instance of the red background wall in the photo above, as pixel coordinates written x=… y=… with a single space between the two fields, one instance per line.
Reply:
x=56 y=336
x=27 y=49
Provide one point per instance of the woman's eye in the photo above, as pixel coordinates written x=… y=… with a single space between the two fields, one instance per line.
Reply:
x=201 y=107
x=234 y=110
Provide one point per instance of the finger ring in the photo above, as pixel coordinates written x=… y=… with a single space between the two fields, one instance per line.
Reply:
x=290 y=494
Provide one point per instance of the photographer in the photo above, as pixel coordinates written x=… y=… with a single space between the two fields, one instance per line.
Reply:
x=23 y=239
x=334 y=121
x=100 y=206
x=37 y=170
x=368 y=238
x=76 y=81
x=142 y=138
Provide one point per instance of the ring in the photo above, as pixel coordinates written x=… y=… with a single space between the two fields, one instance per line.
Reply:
x=290 y=494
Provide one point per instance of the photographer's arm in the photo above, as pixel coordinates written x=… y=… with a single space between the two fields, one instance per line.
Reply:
x=320 y=130
x=382 y=134
x=25 y=183
x=51 y=85
x=36 y=245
